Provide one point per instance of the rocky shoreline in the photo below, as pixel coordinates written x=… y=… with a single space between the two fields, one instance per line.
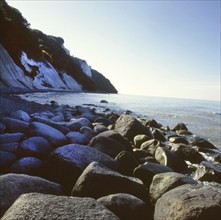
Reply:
x=75 y=162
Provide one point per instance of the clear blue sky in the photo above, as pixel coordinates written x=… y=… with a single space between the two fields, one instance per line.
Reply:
x=157 y=48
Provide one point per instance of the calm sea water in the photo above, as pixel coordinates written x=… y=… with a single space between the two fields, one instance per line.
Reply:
x=203 y=118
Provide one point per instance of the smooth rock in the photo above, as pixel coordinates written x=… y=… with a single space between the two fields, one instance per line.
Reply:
x=69 y=162
x=97 y=181
x=126 y=206
x=6 y=159
x=146 y=172
x=103 y=120
x=106 y=145
x=198 y=202
x=158 y=135
x=150 y=146
x=152 y=123
x=54 y=136
x=14 y=185
x=140 y=139
x=9 y=147
x=36 y=206
x=58 y=118
x=21 y=115
x=103 y=101
x=88 y=132
x=207 y=171
x=100 y=128
x=129 y=127
x=27 y=165
x=187 y=152
x=77 y=138
x=168 y=158
x=181 y=140
x=76 y=123
x=11 y=137
x=164 y=182
x=127 y=163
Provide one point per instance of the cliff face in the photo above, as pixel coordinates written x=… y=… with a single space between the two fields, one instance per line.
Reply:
x=33 y=60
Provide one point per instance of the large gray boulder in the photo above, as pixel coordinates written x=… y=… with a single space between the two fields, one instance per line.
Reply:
x=65 y=164
x=186 y=202
x=163 y=182
x=126 y=206
x=54 y=136
x=97 y=181
x=14 y=185
x=36 y=206
x=129 y=127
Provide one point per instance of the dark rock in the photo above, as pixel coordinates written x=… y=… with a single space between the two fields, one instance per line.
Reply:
x=183 y=132
x=150 y=146
x=126 y=206
x=168 y=158
x=181 y=140
x=158 y=135
x=217 y=158
x=9 y=147
x=127 y=163
x=140 y=139
x=58 y=118
x=88 y=132
x=97 y=181
x=21 y=115
x=129 y=127
x=54 y=136
x=84 y=110
x=202 y=143
x=139 y=154
x=76 y=123
x=100 y=128
x=152 y=123
x=15 y=125
x=11 y=137
x=180 y=126
x=14 y=185
x=2 y=128
x=106 y=145
x=207 y=171
x=103 y=120
x=103 y=101
x=41 y=206
x=164 y=182
x=145 y=172
x=187 y=152
x=34 y=146
x=27 y=165
x=147 y=159
x=77 y=138
x=69 y=162
x=6 y=159
x=190 y=202
x=56 y=125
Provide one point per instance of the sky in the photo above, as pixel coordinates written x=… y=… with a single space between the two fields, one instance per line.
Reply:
x=154 y=48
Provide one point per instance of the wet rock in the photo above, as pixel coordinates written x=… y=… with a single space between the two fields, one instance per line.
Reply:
x=188 y=153
x=202 y=143
x=77 y=138
x=126 y=206
x=106 y=145
x=11 y=137
x=181 y=140
x=168 y=158
x=41 y=206
x=129 y=127
x=164 y=182
x=69 y=162
x=27 y=165
x=76 y=123
x=207 y=171
x=180 y=126
x=15 y=125
x=158 y=135
x=57 y=125
x=14 y=185
x=103 y=101
x=146 y=172
x=140 y=139
x=52 y=135
x=127 y=163
x=150 y=146
x=21 y=115
x=6 y=159
x=9 y=147
x=152 y=123
x=35 y=146
x=97 y=181
x=190 y=202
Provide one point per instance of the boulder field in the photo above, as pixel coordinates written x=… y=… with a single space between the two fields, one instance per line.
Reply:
x=77 y=162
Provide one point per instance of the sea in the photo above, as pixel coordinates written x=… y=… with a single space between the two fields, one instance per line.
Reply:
x=202 y=117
